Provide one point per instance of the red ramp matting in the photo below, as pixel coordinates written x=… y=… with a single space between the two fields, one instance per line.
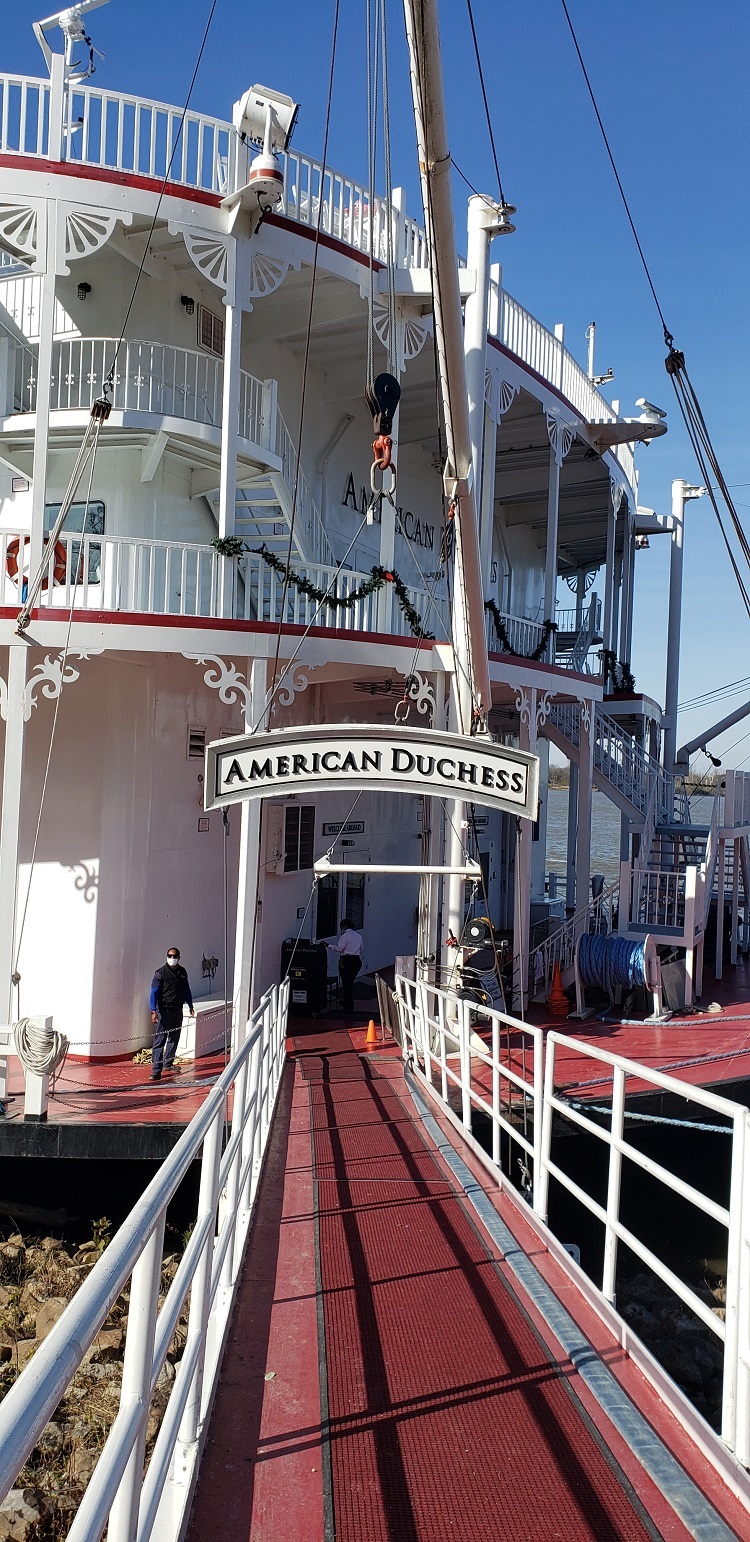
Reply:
x=446 y=1417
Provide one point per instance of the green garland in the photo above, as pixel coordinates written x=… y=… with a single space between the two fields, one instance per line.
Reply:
x=541 y=648
x=619 y=676
x=233 y=546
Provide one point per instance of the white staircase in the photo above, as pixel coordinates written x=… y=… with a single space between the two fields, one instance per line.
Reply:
x=265 y=508
x=573 y=642
x=622 y=770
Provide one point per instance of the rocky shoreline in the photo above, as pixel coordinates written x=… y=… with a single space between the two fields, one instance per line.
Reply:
x=38 y=1277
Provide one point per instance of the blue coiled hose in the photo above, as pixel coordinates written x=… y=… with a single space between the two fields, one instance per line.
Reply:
x=611 y=963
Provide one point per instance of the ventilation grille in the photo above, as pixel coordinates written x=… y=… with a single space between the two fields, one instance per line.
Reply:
x=196 y=743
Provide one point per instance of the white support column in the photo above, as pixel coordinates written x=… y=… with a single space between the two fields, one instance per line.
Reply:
x=527 y=736
x=550 y=565
x=626 y=591
x=585 y=788
x=11 y=821
x=230 y=418
x=735 y=899
x=609 y=564
x=570 y=867
x=487 y=503
x=481 y=227
x=721 y=879
x=248 y=886
x=681 y=492
x=43 y=385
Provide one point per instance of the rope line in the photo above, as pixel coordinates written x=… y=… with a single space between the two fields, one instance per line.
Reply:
x=484 y=99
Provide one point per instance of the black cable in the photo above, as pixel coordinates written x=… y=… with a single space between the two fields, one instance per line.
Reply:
x=178 y=137
x=667 y=334
x=484 y=99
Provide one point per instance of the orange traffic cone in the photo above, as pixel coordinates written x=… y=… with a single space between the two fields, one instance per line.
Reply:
x=557 y=1000
x=372 y=1033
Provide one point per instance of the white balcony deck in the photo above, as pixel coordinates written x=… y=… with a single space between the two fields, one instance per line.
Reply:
x=136 y=136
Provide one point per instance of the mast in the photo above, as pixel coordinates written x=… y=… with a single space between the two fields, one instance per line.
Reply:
x=469 y=632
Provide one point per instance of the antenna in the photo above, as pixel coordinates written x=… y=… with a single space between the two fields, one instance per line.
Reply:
x=70 y=22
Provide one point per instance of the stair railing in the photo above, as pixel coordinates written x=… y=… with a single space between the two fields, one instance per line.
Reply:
x=559 y=947
x=307 y=516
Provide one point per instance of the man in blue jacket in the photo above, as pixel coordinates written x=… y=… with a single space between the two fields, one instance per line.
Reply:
x=170 y=990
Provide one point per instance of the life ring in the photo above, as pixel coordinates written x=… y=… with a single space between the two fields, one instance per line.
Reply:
x=58 y=568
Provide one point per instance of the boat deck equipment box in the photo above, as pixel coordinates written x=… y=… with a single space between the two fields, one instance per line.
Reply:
x=306 y=963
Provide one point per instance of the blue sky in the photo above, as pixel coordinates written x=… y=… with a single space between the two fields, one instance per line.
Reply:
x=671 y=81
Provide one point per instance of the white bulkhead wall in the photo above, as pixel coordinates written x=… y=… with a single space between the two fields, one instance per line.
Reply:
x=122 y=870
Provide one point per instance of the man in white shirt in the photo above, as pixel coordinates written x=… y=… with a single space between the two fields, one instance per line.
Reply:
x=349 y=949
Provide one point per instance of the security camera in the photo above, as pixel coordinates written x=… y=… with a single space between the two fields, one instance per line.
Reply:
x=266 y=118
x=649 y=407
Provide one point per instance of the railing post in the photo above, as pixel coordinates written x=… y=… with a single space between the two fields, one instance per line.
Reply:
x=614 y=1183
x=734 y=1420
x=742 y=1434
x=270 y=409
x=136 y=1379
x=200 y=1296
x=541 y=1187
x=496 y=1154
x=464 y=1023
x=538 y=1041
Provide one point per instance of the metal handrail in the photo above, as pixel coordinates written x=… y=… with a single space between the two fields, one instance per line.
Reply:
x=445 y=1056
x=559 y=947
x=209 y=1271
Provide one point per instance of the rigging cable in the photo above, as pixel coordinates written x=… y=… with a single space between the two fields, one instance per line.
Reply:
x=109 y=378
x=687 y=400
x=486 y=103
x=308 y=337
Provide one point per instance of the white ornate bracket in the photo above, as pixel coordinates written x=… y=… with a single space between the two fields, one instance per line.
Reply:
x=419 y=690
x=586 y=713
x=50 y=677
x=291 y=684
x=23 y=229
x=411 y=331
x=617 y=494
x=543 y=710
x=84 y=230
x=499 y=394
x=224 y=678
x=212 y=254
x=561 y=435
x=525 y=705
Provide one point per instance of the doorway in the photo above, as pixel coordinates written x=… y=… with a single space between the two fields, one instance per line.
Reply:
x=340 y=897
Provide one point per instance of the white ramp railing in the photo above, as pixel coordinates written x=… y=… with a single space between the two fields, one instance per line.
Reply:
x=508 y=1076
x=560 y=946
x=118 y=1494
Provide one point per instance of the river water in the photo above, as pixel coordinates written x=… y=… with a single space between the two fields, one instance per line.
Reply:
x=605 y=832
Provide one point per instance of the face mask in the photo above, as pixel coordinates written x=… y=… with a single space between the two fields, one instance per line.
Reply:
x=173 y=961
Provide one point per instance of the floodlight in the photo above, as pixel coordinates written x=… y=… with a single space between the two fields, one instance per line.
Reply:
x=266 y=117
x=71 y=25
x=650 y=408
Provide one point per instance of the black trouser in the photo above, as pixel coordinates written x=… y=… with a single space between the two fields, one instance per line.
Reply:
x=349 y=967
x=166 y=1039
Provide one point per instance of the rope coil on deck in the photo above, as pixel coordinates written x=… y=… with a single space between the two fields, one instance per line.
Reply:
x=41 y=1050
x=611 y=963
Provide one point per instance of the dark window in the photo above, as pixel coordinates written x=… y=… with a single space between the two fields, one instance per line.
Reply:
x=327 y=920
x=210 y=331
x=355 y=900
x=299 y=835
x=93 y=516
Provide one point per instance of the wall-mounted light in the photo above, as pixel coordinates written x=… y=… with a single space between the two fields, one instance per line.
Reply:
x=83 y=291
x=188 y=302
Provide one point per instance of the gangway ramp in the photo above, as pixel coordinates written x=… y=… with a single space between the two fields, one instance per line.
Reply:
x=407 y=1361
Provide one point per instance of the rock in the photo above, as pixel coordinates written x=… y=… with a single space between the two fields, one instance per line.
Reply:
x=720 y=1312
x=50 y=1244
x=11 y=1252
x=681 y=1366
x=29 y=1299
x=23 y=1350
x=82 y=1463
x=51 y=1439
x=19 y=1511
x=685 y=1327
x=107 y=1346
x=87 y=1255
x=4 y=1296
x=639 y=1316
x=6 y=1352
x=48 y=1314
x=17 y=1239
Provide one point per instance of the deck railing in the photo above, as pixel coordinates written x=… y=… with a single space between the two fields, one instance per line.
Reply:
x=151 y=377
x=524 y=636
x=129 y=134
x=181 y=578
x=511 y=1078
x=118 y=1495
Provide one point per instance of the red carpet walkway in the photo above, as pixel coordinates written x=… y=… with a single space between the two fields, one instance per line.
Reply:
x=383 y=1382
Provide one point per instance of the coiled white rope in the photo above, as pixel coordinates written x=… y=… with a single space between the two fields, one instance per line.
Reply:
x=40 y=1049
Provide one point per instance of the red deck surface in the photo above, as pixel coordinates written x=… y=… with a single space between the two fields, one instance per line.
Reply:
x=119 y=1092
x=412 y=1396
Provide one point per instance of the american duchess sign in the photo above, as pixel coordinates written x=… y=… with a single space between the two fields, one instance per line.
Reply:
x=385 y=759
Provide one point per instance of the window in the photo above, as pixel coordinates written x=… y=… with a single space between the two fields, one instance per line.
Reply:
x=299 y=834
x=210 y=331
x=93 y=514
x=196 y=743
